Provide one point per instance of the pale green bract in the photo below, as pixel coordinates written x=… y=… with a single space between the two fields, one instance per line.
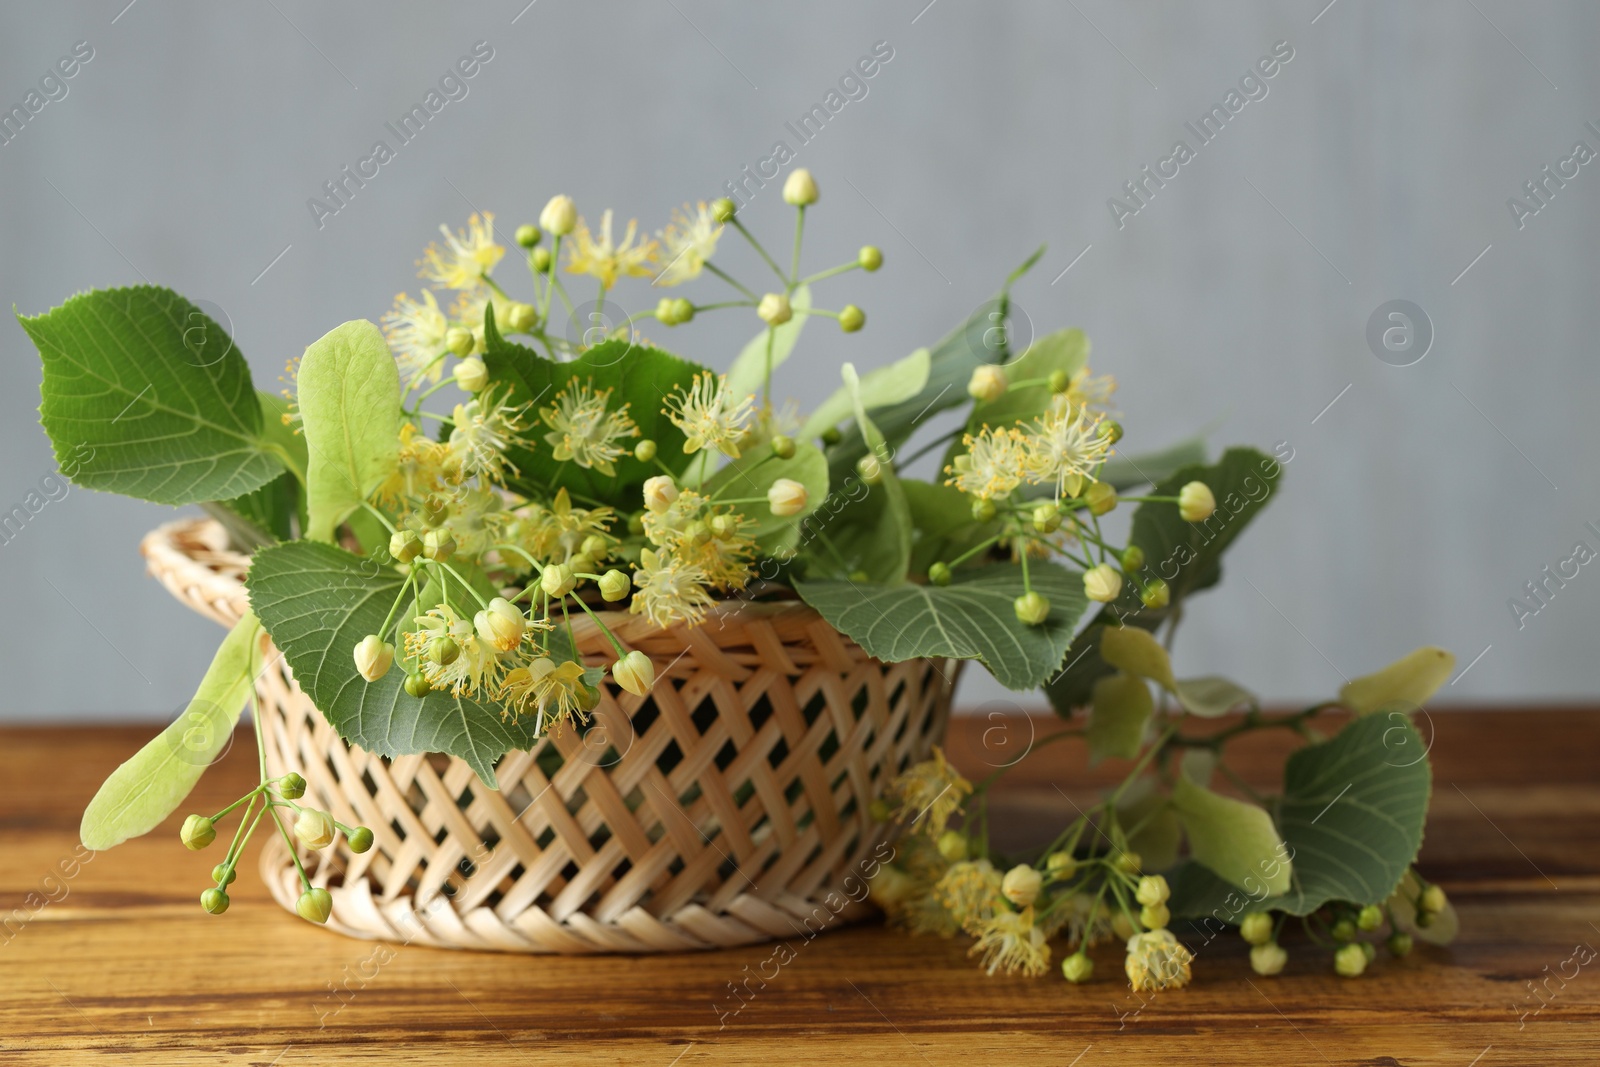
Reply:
x=1235 y=839
x=349 y=390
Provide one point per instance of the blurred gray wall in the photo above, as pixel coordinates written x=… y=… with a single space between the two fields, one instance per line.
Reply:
x=1377 y=167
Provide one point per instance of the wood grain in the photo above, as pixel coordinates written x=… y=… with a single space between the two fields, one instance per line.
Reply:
x=116 y=962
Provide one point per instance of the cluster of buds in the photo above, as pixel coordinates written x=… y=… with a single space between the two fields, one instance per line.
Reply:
x=1346 y=923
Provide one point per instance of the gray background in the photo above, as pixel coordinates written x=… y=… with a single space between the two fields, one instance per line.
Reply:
x=1377 y=168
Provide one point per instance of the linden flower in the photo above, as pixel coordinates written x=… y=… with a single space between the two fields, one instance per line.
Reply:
x=423 y=468
x=1156 y=960
x=970 y=893
x=992 y=466
x=1065 y=447
x=708 y=415
x=416 y=334
x=606 y=259
x=688 y=241
x=1085 y=390
x=667 y=589
x=558 y=532
x=466 y=258
x=584 y=430
x=550 y=690
x=485 y=427
x=469 y=310
x=477 y=519
x=1010 y=942
x=931 y=790
x=477 y=667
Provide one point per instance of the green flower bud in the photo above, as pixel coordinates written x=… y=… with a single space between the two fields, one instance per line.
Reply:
x=615 y=585
x=1268 y=959
x=315 y=905
x=373 y=657
x=664 y=312
x=682 y=310
x=1399 y=944
x=870 y=257
x=1128 y=862
x=438 y=545
x=1021 y=885
x=1077 y=968
x=1196 y=502
x=723 y=209
x=1369 y=949
x=952 y=845
x=1059 y=381
x=315 y=828
x=636 y=521
x=459 y=341
x=197 y=832
x=1256 y=928
x=1112 y=429
x=635 y=672
x=1370 y=918
x=417 y=685
x=1132 y=559
x=1061 y=865
x=360 y=839
x=724 y=527
x=435 y=509
x=939 y=574
x=984 y=510
x=774 y=310
x=1102 y=498
x=521 y=317
x=595 y=547
x=1433 y=899
x=214 y=901
x=560 y=215
x=698 y=533
x=581 y=564
x=879 y=811
x=1154 y=916
x=1343 y=930
x=831 y=436
x=1031 y=608
x=852 y=318
x=405 y=545
x=1349 y=961
x=557 y=581
x=1046 y=518
x=291 y=786
x=443 y=650
x=528 y=235
x=1426 y=919
x=644 y=452
x=800 y=189
x=540 y=259
x=870 y=468
x=1152 y=890
x=1122 y=925
x=1102 y=583
x=783 y=447
x=223 y=875
x=1156 y=595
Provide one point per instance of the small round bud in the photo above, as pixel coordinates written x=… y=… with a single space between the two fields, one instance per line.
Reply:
x=831 y=436
x=435 y=509
x=636 y=523
x=800 y=188
x=405 y=545
x=851 y=318
x=666 y=313
x=480 y=339
x=1426 y=919
x=1111 y=430
x=1343 y=930
x=314 y=828
x=214 y=901
x=880 y=811
x=559 y=216
x=1433 y=899
x=1122 y=925
x=595 y=547
x=659 y=493
x=1128 y=862
x=1156 y=595
x=774 y=309
x=198 y=832
x=1268 y=959
x=984 y=510
x=528 y=235
x=1059 y=381
x=787 y=497
x=723 y=209
x=870 y=469
x=1369 y=949
x=443 y=650
x=360 y=839
x=1256 y=928
x=1061 y=865
x=1370 y=918
x=223 y=875
x=870 y=257
x=1021 y=885
x=1132 y=559
x=1154 y=916
x=557 y=581
x=541 y=259
x=724 y=527
x=987 y=383
x=1102 y=583
x=614 y=585
x=1046 y=518
x=1101 y=497
x=783 y=446
x=521 y=317
x=291 y=786
x=952 y=845
x=438 y=545
x=417 y=685
x=1195 y=502
x=682 y=310
x=939 y=574
x=635 y=672
x=374 y=656
x=314 y=905
x=644 y=451
x=1031 y=608
x=500 y=625
x=1349 y=961
x=1152 y=890
x=1399 y=944
x=1077 y=968
x=459 y=341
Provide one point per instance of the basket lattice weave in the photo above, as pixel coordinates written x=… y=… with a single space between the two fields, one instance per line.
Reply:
x=727 y=808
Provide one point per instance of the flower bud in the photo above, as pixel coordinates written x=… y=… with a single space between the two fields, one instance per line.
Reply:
x=521 y=317
x=1152 y=890
x=614 y=585
x=314 y=828
x=1154 y=916
x=987 y=383
x=459 y=341
x=527 y=235
x=223 y=875
x=1122 y=925
x=665 y=312
x=1399 y=944
x=697 y=533
x=724 y=527
x=1046 y=518
x=1021 y=885
x=952 y=845
x=659 y=493
x=595 y=547
x=1433 y=899
x=774 y=309
x=783 y=446
x=1268 y=959
x=800 y=188
x=1031 y=608
x=939 y=574
x=500 y=625
x=870 y=469
x=787 y=497
x=1195 y=502
x=1132 y=559
x=1111 y=430
x=1156 y=595
x=831 y=436
x=1102 y=498
x=1369 y=949
x=360 y=839
x=1343 y=930
x=480 y=339
x=559 y=216
x=682 y=310
x=557 y=581
x=870 y=257
x=1102 y=583
x=405 y=545
x=417 y=685
x=851 y=318
x=1349 y=961
x=373 y=657
x=1077 y=968
x=314 y=905
x=438 y=545
x=214 y=901
x=435 y=509
x=1256 y=928
x=291 y=786
x=984 y=510
x=1370 y=918
x=635 y=672
x=723 y=209
x=1061 y=865
x=197 y=832
x=644 y=451
x=541 y=259
x=1128 y=862
x=443 y=650
x=1058 y=381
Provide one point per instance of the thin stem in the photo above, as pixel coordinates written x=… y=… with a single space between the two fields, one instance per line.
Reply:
x=380 y=516
x=549 y=279
x=831 y=271
x=294 y=853
x=621 y=652
x=748 y=236
x=973 y=551
x=931 y=445
x=799 y=229
x=482 y=603
x=1138 y=768
x=435 y=387
x=725 y=276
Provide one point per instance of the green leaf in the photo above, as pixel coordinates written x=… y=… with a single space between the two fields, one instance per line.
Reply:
x=753 y=474
x=348 y=389
x=1407 y=682
x=269 y=513
x=748 y=374
x=1073 y=688
x=1151 y=468
x=1122 y=705
x=942 y=526
x=871 y=532
x=1210 y=696
x=1131 y=649
x=150 y=786
x=145 y=395
x=899 y=381
x=318 y=601
x=1234 y=839
x=971 y=618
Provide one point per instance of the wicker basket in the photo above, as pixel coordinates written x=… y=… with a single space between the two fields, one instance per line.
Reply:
x=727 y=808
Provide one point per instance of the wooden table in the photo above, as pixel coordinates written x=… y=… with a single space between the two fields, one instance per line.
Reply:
x=117 y=962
